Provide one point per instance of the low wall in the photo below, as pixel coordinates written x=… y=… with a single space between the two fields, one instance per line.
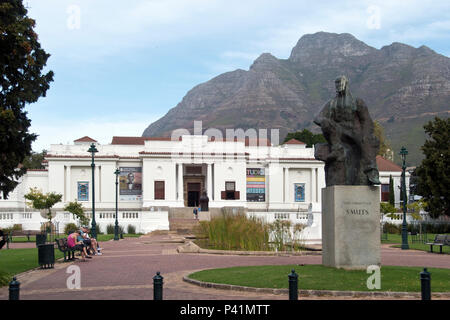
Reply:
x=143 y=221
x=311 y=234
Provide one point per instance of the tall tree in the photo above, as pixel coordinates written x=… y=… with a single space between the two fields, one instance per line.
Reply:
x=305 y=136
x=385 y=148
x=434 y=172
x=21 y=82
x=34 y=161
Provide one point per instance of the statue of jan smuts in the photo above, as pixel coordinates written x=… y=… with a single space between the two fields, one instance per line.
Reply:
x=350 y=154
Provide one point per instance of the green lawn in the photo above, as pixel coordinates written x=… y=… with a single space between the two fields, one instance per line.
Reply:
x=106 y=237
x=396 y=239
x=318 y=277
x=23 y=239
x=14 y=261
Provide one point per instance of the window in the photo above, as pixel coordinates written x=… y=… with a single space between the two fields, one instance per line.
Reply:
x=299 y=192
x=230 y=192
x=385 y=192
x=159 y=190
x=83 y=191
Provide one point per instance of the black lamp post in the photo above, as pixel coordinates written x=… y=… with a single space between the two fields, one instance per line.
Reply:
x=93 y=150
x=405 y=246
x=116 y=227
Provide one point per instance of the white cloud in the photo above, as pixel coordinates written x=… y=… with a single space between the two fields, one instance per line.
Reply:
x=109 y=27
x=99 y=129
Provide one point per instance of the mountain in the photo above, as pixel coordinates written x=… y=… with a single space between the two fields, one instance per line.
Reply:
x=404 y=87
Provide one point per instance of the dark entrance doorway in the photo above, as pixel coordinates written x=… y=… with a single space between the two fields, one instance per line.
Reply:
x=193 y=193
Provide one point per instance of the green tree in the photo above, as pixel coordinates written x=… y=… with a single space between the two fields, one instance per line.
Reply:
x=34 y=161
x=41 y=201
x=385 y=147
x=77 y=209
x=21 y=82
x=391 y=191
x=305 y=136
x=434 y=171
x=416 y=207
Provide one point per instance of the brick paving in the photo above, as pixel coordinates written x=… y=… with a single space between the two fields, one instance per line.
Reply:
x=126 y=269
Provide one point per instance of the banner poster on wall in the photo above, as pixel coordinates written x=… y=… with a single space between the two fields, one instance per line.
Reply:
x=256 y=185
x=83 y=191
x=130 y=183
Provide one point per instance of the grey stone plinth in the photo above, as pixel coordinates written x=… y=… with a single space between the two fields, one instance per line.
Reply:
x=351 y=226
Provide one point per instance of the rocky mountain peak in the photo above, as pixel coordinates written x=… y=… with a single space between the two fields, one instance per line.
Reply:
x=264 y=61
x=315 y=46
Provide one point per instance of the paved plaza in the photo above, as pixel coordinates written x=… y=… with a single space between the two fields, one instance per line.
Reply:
x=126 y=269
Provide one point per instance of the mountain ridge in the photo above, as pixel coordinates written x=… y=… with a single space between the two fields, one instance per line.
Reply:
x=398 y=82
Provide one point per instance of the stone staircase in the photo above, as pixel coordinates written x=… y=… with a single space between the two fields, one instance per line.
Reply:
x=182 y=220
x=183 y=225
x=181 y=213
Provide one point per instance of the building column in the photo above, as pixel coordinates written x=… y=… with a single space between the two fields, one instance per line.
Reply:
x=209 y=181
x=313 y=185
x=180 y=182
x=286 y=185
x=68 y=194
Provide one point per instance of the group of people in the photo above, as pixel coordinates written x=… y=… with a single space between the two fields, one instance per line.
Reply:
x=80 y=241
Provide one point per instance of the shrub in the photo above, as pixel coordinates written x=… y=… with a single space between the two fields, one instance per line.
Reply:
x=97 y=229
x=17 y=227
x=110 y=229
x=430 y=227
x=392 y=228
x=280 y=234
x=386 y=207
x=131 y=229
x=70 y=227
x=234 y=231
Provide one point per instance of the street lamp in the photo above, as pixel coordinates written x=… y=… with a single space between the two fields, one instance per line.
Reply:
x=93 y=150
x=116 y=227
x=405 y=246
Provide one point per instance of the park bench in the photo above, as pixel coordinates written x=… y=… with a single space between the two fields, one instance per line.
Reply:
x=22 y=233
x=64 y=248
x=439 y=240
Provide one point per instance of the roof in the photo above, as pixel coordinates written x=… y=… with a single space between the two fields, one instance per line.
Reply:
x=294 y=141
x=85 y=139
x=141 y=140
x=137 y=140
x=387 y=165
x=248 y=141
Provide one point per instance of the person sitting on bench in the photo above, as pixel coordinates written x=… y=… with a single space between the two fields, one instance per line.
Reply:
x=89 y=242
x=94 y=244
x=73 y=242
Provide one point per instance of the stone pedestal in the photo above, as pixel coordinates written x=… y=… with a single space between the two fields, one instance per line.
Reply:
x=351 y=226
x=204 y=216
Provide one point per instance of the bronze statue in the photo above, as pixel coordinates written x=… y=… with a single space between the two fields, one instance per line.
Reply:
x=204 y=202
x=350 y=154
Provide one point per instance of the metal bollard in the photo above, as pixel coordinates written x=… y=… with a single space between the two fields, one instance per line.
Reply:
x=293 y=285
x=425 y=284
x=14 y=289
x=158 y=286
x=121 y=235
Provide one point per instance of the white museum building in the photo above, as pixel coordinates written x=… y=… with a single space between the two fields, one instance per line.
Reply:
x=162 y=179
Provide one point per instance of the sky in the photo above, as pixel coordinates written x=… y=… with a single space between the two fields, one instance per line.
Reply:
x=121 y=65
